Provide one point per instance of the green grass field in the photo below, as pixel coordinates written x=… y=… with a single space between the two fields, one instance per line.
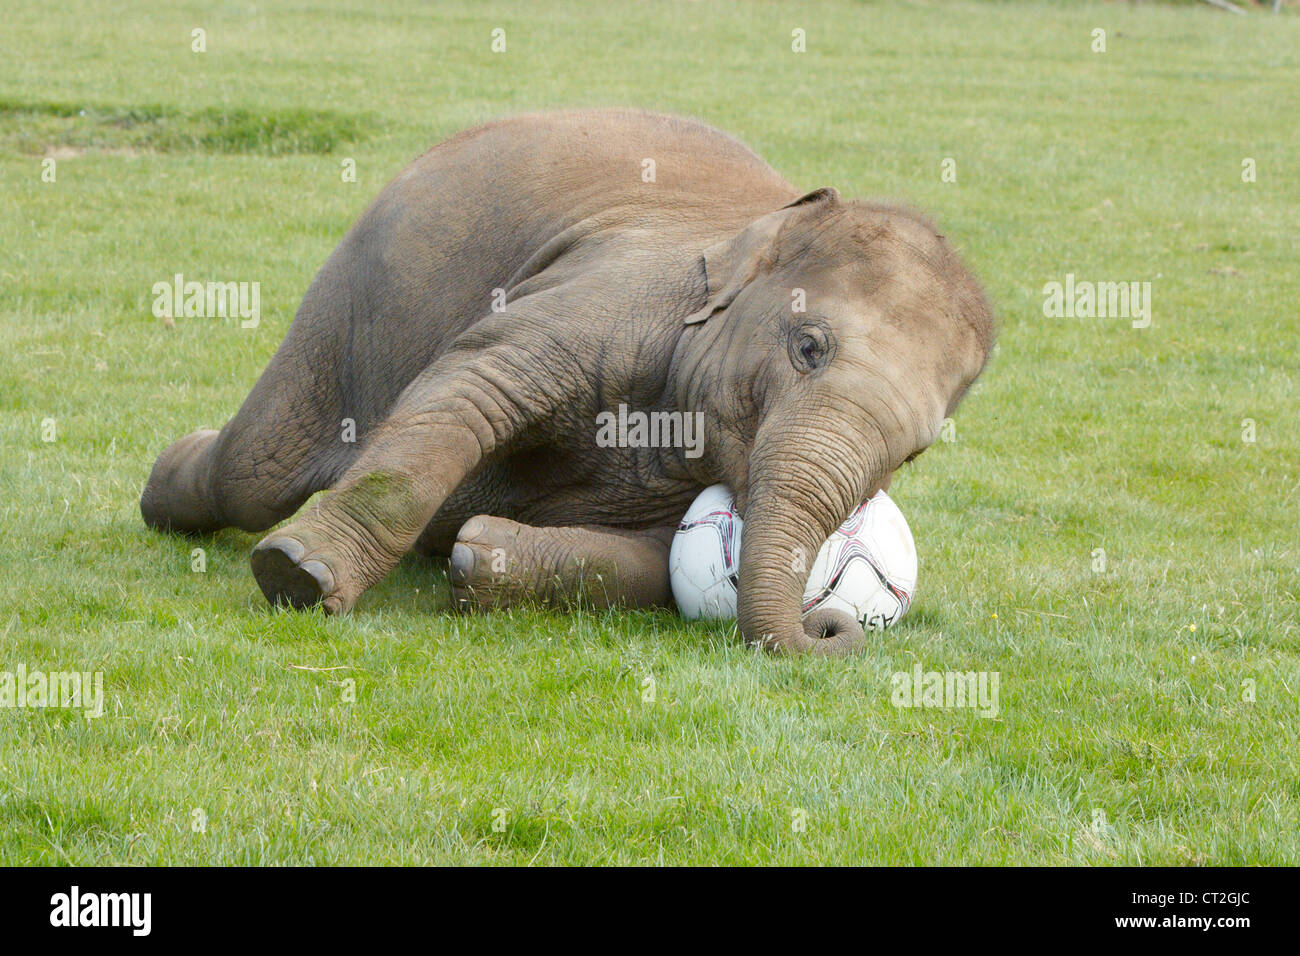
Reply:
x=1148 y=711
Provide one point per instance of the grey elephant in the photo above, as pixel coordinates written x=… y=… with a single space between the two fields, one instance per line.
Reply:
x=522 y=279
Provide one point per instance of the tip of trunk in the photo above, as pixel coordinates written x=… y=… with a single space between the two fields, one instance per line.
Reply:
x=825 y=632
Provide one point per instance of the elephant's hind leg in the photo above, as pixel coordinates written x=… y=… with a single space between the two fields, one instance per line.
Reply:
x=497 y=563
x=245 y=476
x=284 y=444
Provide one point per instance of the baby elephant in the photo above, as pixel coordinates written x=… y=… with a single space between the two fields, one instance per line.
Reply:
x=548 y=334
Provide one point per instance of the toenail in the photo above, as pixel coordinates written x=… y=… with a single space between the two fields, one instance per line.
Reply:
x=291 y=548
x=471 y=529
x=462 y=561
x=321 y=574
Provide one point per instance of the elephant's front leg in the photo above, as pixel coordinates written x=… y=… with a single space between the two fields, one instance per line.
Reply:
x=452 y=417
x=497 y=563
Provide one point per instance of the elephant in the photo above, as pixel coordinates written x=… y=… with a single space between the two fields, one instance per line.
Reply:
x=523 y=277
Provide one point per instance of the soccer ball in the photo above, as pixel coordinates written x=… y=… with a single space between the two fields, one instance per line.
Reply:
x=867 y=568
x=704 y=560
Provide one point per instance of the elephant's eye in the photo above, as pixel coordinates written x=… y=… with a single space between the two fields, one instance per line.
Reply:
x=810 y=346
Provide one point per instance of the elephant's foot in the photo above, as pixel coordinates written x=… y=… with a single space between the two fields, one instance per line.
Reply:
x=498 y=563
x=287 y=577
x=338 y=548
x=178 y=495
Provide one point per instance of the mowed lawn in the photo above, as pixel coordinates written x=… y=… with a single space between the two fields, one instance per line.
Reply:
x=1113 y=530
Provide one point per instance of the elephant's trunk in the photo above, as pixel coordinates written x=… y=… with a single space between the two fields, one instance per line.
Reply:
x=793 y=503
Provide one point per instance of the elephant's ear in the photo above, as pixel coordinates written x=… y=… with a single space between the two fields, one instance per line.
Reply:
x=732 y=264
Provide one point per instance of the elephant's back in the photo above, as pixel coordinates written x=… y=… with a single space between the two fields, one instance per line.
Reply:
x=424 y=260
x=582 y=162
x=499 y=191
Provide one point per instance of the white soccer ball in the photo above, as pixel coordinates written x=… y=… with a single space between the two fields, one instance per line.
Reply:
x=867 y=568
x=704 y=560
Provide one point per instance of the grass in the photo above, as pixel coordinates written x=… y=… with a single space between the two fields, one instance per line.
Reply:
x=52 y=128
x=405 y=734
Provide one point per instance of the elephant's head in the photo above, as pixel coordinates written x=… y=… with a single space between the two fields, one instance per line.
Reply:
x=834 y=339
